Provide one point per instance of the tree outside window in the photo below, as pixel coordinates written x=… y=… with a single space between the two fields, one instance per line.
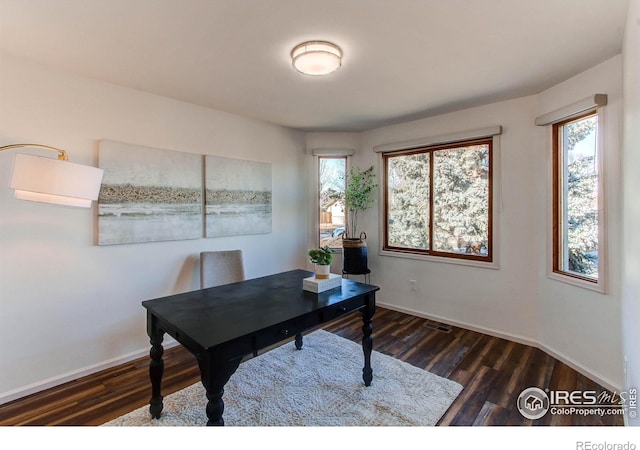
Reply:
x=331 y=214
x=576 y=227
x=438 y=200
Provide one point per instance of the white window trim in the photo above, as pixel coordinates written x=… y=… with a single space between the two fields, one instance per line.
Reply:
x=575 y=109
x=493 y=132
x=450 y=138
x=603 y=261
x=336 y=152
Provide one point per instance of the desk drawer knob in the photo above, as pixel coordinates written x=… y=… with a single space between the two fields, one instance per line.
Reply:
x=284 y=332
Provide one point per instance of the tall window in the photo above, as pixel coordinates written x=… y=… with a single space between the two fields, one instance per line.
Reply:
x=438 y=200
x=331 y=214
x=575 y=197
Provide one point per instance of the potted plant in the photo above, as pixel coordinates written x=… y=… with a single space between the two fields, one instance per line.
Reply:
x=357 y=198
x=322 y=258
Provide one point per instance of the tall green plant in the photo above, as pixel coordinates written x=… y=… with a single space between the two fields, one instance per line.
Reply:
x=358 y=196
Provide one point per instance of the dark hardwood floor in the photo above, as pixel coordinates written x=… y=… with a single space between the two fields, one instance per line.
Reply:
x=493 y=372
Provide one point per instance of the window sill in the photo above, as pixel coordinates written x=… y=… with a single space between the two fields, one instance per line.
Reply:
x=440 y=259
x=577 y=282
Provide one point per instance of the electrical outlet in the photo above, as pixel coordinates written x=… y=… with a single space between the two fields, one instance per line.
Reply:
x=413 y=285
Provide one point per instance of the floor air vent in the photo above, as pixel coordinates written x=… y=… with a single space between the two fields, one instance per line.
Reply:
x=441 y=327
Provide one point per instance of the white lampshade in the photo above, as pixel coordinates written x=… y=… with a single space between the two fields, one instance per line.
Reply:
x=49 y=180
x=316 y=57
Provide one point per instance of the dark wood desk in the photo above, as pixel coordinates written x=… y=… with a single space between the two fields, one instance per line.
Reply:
x=221 y=325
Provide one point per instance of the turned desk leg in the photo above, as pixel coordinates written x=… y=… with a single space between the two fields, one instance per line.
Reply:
x=214 y=374
x=299 y=341
x=367 y=339
x=156 y=369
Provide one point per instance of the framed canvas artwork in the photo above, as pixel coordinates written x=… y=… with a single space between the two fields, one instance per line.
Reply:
x=237 y=197
x=148 y=194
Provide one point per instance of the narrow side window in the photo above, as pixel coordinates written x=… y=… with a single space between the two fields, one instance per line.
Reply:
x=331 y=214
x=576 y=198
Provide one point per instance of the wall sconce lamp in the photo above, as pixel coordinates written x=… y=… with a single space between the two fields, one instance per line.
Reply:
x=49 y=180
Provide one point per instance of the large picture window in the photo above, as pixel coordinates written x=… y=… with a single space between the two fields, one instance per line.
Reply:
x=575 y=197
x=438 y=200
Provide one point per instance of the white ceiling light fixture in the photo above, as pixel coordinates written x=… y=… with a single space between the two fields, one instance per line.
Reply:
x=316 y=57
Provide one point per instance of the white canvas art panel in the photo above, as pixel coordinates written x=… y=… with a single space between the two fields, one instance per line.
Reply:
x=237 y=197
x=148 y=194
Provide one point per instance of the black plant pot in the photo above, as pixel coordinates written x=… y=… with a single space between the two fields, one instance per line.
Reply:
x=354 y=253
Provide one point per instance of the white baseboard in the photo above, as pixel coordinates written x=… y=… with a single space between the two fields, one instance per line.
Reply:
x=603 y=381
x=24 y=391
x=466 y=326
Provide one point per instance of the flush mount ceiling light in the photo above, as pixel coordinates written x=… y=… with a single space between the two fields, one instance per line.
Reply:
x=316 y=57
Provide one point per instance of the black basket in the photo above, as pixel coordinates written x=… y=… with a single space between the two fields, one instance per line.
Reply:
x=354 y=253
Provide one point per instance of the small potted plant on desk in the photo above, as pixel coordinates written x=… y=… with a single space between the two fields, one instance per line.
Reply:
x=322 y=258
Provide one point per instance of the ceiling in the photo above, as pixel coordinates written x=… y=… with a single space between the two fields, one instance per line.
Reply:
x=403 y=59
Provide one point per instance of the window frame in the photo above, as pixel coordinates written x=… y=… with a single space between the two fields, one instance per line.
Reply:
x=317 y=157
x=555 y=270
x=489 y=261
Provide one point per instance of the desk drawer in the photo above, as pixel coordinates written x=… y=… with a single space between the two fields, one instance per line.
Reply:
x=289 y=329
x=280 y=332
x=335 y=311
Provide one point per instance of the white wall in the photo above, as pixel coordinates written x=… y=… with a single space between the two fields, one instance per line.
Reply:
x=581 y=325
x=66 y=305
x=501 y=301
x=631 y=209
x=517 y=300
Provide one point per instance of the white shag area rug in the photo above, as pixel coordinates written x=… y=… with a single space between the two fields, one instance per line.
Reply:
x=320 y=385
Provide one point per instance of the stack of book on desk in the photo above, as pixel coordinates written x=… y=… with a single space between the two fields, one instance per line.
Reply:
x=317 y=285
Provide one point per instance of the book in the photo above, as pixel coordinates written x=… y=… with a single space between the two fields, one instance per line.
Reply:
x=313 y=284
